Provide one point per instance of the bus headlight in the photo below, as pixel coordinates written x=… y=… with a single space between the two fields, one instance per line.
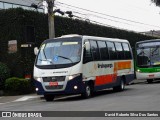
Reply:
x=73 y=76
x=38 y=79
x=138 y=70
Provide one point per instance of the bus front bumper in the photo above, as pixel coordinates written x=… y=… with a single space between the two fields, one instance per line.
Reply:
x=72 y=87
x=144 y=76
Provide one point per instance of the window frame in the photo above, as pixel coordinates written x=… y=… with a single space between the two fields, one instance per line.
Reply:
x=84 y=52
x=106 y=50
x=98 y=57
x=129 y=52
x=115 y=56
x=120 y=54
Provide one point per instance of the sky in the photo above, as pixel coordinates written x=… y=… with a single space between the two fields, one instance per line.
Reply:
x=133 y=15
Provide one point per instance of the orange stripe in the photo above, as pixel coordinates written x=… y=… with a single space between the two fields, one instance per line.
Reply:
x=104 y=79
x=124 y=65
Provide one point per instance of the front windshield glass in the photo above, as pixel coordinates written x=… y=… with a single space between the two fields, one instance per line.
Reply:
x=59 y=52
x=149 y=56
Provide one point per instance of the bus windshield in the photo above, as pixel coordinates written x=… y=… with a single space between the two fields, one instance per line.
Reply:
x=148 y=56
x=59 y=52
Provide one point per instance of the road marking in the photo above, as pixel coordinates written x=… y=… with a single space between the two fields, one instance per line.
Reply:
x=68 y=96
x=25 y=98
x=4 y=103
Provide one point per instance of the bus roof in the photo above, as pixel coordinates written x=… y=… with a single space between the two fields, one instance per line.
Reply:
x=94 y=38
x=152 y=40
x=89 y=37
x=147 y=43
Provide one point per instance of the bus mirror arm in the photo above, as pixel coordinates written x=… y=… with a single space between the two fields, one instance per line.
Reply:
x=86 y=46
x=36 y=50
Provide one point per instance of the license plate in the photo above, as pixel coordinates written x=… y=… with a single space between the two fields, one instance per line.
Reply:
x=53 y=83
x=151 y=76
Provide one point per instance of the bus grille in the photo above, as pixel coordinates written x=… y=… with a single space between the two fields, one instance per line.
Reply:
x=54 y=87
x=53 y=79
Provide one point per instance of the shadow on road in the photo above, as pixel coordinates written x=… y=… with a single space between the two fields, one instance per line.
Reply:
x=70 y=98
x=96 y=94
x=155 y=82
x=145 y=82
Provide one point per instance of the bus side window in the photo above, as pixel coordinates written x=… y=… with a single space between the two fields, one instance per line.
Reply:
x=95 y=50
x=119 y=50
x=112 y=51
x=87 y=56
x=127 y=51
x=103 y=50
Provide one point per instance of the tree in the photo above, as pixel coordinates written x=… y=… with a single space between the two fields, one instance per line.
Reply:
x=157 y=2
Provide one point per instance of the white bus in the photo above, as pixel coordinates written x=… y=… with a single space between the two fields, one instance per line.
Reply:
x=76 y=64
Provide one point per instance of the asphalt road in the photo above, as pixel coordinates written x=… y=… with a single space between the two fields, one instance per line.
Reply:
x=136 y=97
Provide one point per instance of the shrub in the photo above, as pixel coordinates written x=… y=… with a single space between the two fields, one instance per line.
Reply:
x=18 y=86
x=4 y=74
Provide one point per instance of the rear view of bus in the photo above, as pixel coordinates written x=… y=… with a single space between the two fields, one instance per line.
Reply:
x=148 y=60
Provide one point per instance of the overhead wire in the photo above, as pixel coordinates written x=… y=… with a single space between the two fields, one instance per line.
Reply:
x=109 y=15
x=75 y=11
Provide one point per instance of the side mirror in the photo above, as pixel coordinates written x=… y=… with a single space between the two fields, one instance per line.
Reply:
x=36 y=50
x=87 y=45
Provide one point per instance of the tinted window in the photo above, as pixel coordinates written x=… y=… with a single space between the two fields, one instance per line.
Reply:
x=103 y=50
x=127 y=51
x=87 y=53
x=112 y=50
x=119 y=50
x=95 y=50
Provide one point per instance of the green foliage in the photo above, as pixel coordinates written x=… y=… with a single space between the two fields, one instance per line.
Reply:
x=4 y=74
x=12 y=24
x=18 y=86
x=74 y=26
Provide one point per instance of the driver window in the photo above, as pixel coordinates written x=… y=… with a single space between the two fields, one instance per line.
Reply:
x=87 y=56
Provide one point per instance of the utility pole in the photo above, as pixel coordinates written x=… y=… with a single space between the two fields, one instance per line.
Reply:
x=51 y=18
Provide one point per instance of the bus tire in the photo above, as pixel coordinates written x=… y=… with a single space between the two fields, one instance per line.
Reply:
x=149 y=80
x=49 y=98
x=88 y=92
x=120 y=87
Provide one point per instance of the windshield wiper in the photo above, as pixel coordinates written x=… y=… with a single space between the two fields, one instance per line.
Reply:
x=65 y=58
x=155 y=50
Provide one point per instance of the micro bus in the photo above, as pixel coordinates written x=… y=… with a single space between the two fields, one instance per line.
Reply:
x=147 y=64
x=77 y=64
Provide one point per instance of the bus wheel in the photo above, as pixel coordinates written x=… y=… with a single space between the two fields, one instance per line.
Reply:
x=149 y=80
x=121 y=87
x=49 y=97
x=88 y=91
